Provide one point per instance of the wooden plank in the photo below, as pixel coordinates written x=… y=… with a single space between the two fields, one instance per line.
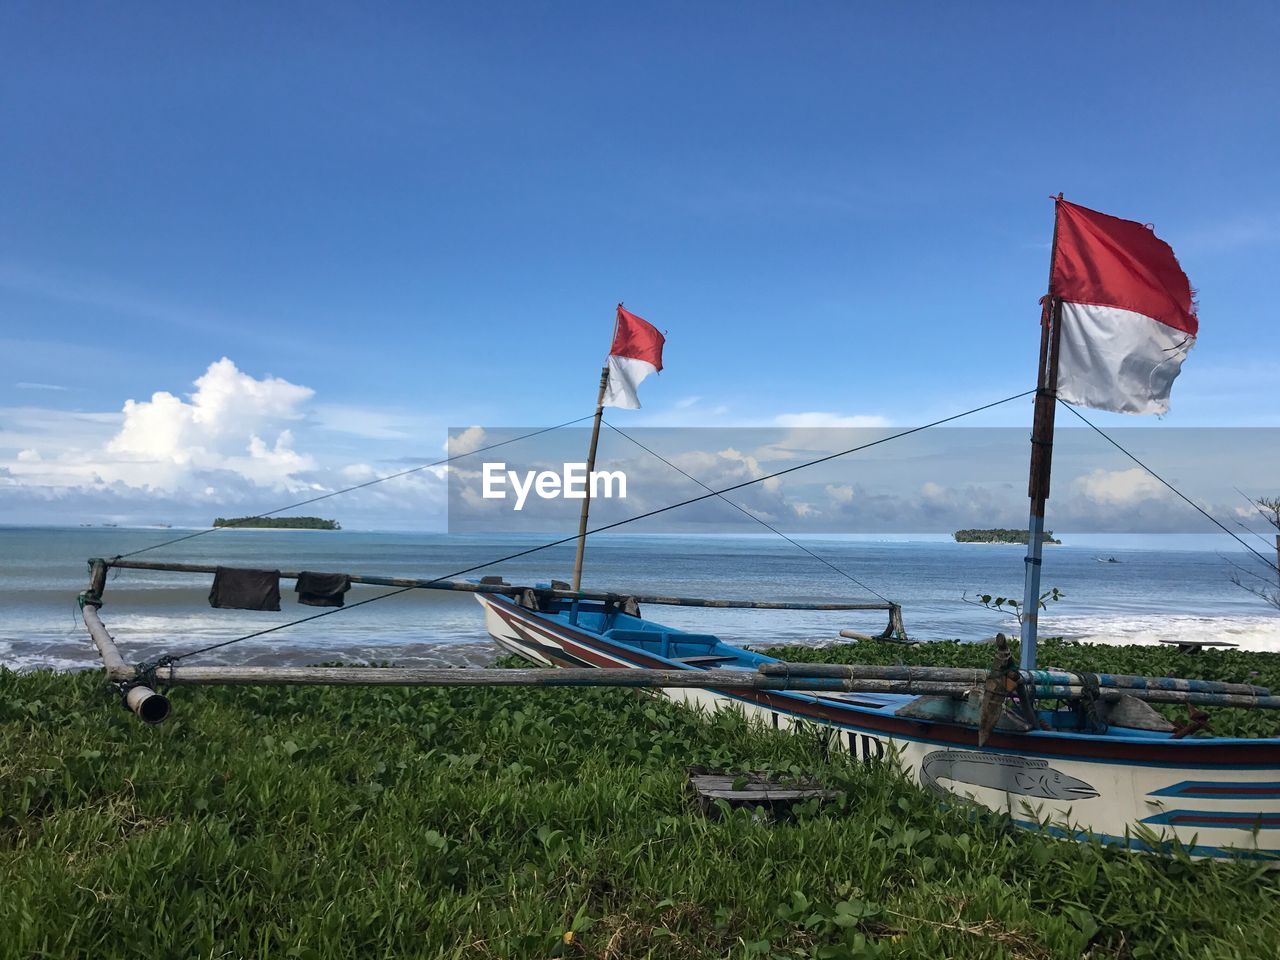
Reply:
x=754 y=790
x=1195 y=646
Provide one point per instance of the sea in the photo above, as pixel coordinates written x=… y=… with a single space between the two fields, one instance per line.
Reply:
x=1174 y=587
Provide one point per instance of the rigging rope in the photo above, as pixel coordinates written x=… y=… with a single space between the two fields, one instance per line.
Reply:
x=607 y=526
x=358 y=486
x=1208 y=516
x=741 y=509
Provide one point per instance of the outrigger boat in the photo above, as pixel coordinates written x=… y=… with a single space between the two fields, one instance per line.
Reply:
x=1137 y=786
x=1075 y=755
x=1109 y=766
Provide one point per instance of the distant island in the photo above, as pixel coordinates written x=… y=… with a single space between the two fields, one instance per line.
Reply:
x=279 y=523
x=1000 y=535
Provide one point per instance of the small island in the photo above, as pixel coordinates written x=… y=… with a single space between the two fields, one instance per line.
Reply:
x=1000 y=535
x=279 y=523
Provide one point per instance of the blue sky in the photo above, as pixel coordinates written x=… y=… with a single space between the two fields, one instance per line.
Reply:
x=423 y=214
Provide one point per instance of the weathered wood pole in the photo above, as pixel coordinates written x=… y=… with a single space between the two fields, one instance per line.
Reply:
x=1041 y=455
x=591 y=465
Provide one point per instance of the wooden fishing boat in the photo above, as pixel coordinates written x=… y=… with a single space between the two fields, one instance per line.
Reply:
x=1137 y=788
x=1074 y=755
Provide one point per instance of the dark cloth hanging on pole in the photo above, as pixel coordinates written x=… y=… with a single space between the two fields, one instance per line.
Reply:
x=238 y=589
x=322 y=589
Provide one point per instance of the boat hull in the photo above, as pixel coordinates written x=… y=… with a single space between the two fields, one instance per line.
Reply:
x=1216 y=797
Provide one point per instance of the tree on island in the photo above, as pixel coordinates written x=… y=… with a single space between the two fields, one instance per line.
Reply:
x=279 y=523
x=1000 y=535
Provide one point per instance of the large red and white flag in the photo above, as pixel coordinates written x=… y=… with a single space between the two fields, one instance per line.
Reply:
x=1128 y=313
x=636 y=353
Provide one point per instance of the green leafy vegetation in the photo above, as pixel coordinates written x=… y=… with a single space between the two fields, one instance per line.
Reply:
x=327 y=823
x=1000 y=535
x=279 y=523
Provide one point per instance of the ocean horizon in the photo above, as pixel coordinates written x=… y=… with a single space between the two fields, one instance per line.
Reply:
x=1170 y=587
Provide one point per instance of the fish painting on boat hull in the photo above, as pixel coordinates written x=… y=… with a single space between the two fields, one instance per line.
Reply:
x=1021 y=776
x=1216 y=797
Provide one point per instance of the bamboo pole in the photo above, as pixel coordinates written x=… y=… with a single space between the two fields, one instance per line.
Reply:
x=591 y=465
x=149 y=706
x=1041 y=455
x=506 y=589
x=1036 y=677
x=664 y=679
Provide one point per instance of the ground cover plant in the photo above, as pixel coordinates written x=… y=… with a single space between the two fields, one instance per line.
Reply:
x=324 y=823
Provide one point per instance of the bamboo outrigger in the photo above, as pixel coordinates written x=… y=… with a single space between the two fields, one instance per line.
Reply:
x=1072 y=754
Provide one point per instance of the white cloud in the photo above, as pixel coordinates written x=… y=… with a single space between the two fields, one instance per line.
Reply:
x=818 y=418
x=40 y=386
x=221 y=427
x=468 y=441
x=1119 y=487
x=840 y=493
x=369 y=423
x=236 y=442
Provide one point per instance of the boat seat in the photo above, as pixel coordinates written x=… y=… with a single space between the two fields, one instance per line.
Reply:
x=666 y=643
x=707 y=661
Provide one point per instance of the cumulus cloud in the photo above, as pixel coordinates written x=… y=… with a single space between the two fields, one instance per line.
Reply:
x=468 y=441
x=840 y=492
x=1119 y=487
x=223 y=418
x=236 y=440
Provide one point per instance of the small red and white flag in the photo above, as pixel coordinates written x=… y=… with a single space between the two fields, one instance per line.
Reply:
x=636 y=353
x=1128 y=313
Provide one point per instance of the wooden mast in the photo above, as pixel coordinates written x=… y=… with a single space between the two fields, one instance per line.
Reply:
x=1041 y=455
x=591 y=465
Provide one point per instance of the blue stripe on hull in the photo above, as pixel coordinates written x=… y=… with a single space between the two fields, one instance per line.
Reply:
x=1142 y=846
x=1213 y=790
x=1215 y=819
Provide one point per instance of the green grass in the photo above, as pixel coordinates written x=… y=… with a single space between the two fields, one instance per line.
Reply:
x=319 y=823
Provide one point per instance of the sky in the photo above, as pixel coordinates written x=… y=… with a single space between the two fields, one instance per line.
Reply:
x=250 y=253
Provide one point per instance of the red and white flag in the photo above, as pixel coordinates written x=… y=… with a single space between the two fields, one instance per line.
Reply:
x=636 y=353
x=1128 y=313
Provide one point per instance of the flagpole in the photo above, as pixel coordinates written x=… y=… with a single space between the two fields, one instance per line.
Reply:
x=1041 y=456
x=591 y=465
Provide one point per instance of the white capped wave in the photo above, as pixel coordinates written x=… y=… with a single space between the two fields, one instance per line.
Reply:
x=1257 y=633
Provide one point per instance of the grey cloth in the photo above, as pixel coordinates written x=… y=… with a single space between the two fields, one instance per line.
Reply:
x=238 y=589
x=322 y=589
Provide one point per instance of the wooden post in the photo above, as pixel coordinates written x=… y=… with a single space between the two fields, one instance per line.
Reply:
x=1041 y=457
x=97 y=578
x=591 y=465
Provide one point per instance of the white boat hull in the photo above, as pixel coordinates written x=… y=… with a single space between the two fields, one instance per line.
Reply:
x=1216 y=797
